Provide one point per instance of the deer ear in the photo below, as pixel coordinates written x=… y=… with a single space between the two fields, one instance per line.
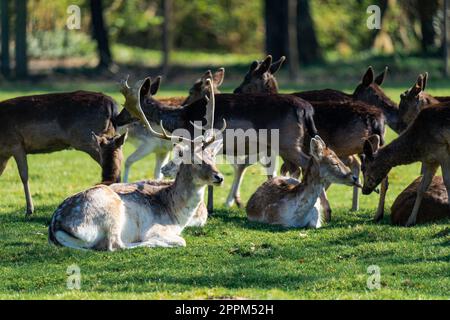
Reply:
x=317 y=148
x=425 y=81
x=144 y=90
x=155 y=85
x=368 y=77
x=277 y=65
x=368 y=151
x=218 y=77
x=120 y=140
x=264 y=66
x=374 y=141
x=253 y=66
x=381 y=77
x=417 y=87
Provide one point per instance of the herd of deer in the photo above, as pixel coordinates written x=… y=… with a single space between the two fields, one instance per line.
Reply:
x=325 y=136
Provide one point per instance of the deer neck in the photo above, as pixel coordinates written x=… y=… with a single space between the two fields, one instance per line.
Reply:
x=111 y=167
x=184 y=196
x=391 y=112
x=311 y=187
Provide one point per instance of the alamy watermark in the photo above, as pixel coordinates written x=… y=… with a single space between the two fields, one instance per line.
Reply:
x=374 y=20
x=73 y=277
x=74 y=19
x=374 y=279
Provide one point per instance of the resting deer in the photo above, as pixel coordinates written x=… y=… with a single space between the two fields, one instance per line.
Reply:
x=290 y=203
x=342 y=122
x=53 y=122
x=147 y=144
x=145 y=214
x=291 y=116
x=427 y=139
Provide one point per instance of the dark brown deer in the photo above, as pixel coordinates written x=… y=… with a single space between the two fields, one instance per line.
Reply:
x=342 y=122
x=292 y=116
x=53 y=122
x=427 y=139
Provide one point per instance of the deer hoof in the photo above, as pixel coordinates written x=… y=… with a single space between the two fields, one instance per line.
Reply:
x=238 y=202
x=328 y=215
x=410 y=223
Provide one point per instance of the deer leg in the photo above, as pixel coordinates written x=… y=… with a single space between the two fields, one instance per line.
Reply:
x=210 y=204
x=22 y=165
x=141 y=152
x=356 y=170
x=234 y=195
x=381 y=202
x=325 y=203
x=161 y=161
x=446 y=177
x=429 y=171
x=3 y=163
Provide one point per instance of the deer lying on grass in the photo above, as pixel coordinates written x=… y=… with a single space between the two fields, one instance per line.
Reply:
x=434 y=205
x=291 y=116
x=145 y=214
x=290 y=203
x=54 y=122
x=147 y=144
x=342 y=122
x=427 y=139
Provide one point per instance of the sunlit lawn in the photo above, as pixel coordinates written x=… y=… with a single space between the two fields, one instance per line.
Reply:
x=230 y=257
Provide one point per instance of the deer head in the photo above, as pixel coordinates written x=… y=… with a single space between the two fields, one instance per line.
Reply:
x=260 y=77
x=198 y=153
x=369 y=89
x=111 y=156
x=331 y=168
x=201 y=88
x=373 y=171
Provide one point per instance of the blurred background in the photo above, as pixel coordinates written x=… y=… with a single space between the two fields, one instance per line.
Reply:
x=326 y=41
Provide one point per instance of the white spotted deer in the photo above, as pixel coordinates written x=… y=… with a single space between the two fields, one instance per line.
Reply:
x=143 y=214
x=147 y=144
x=427 y=139
x=290 y=203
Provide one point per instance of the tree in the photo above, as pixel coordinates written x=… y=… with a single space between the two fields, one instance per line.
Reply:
x=276 y=17
x=21 y=39
x=308 y=45
x=100 y=34
x=5 y=61
x=167 y=35
x=427 y=10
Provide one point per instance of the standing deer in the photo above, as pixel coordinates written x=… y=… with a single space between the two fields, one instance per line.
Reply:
x=343 y=122
x=290 y=203
x=147 y=144
x=291 y=116
x=145 y=214
x=53 y=122
x=427 y=139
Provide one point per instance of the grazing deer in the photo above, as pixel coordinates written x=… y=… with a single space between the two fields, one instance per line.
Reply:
x=291 y=116
x=143 y=214
x=53 y=122
x=433 y=207
x=341 y=121
x=427 y=139
x=290 y=203
x=147 y=144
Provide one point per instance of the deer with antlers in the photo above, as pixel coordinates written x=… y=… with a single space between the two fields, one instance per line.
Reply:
x=147 y=144
x=142 y=214
x=343 y=122
x=288 y=115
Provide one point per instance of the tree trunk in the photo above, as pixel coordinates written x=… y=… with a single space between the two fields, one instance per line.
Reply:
x=276 y=18
x=446 y=41
x=308 y=45
x=5 y=61
x=293 y=58
x=21 y=39
x=427 y=9
x=167 y=35
x=100 y=34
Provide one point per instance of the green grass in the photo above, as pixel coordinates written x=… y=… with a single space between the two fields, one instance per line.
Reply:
x=230 y=257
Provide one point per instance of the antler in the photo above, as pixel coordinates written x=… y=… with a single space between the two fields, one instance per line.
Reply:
x=210 y=114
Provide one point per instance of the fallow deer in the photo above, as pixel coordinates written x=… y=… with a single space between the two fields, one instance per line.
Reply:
x=145 y=214
x=343 y=122
x=290 y=203
x=291 y=116
x=427 y=139
x=147 y=144
x=53 y=122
